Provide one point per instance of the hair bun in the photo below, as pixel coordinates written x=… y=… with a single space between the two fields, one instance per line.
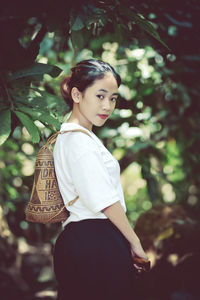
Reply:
x=65 y=87
x=65 y=91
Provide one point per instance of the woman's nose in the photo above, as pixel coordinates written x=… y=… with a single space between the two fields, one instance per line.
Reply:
x=106 y=104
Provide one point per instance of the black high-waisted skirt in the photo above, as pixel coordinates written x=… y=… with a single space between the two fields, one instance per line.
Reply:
x=92 y=260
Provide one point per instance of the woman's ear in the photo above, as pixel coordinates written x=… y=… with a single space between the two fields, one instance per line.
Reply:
x=76 y=95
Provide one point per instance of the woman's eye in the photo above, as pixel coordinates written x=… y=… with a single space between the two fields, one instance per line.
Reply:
x=100 y=97
x=114 y=99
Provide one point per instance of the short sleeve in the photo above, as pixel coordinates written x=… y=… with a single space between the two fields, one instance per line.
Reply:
x=92 y=181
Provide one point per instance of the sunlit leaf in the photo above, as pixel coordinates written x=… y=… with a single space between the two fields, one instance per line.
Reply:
x=30 y=126
x=166 y=234
x=5 y=128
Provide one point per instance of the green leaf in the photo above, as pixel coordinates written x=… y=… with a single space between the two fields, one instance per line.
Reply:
x=142 y=23
x=40 y=115
x=76 y=19
x=30 y=111
x=30 y=126
x=40 y=103
x=5 y=128
x=48 y=102
x=78 y=24
x=37 y=69
x=77 y=39
x=50 y=120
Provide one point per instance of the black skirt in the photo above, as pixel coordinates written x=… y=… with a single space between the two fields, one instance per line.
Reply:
x=92 y=260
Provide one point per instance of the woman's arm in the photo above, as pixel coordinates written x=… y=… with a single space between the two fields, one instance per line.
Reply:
x=118 y=217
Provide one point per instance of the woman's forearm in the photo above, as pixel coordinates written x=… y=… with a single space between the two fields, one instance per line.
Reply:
x=118 y=217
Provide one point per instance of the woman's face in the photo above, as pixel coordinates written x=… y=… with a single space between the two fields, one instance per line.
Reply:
x=97 y=102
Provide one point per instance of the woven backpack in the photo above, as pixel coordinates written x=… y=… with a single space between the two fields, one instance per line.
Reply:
x=46 y=204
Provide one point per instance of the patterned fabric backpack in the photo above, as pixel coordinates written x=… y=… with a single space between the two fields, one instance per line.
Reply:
x=46 y=204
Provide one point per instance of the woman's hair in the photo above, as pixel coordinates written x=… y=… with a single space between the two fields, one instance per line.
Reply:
x=83 y=75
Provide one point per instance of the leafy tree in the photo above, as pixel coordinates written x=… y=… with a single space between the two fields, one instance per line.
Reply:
x=19 y=71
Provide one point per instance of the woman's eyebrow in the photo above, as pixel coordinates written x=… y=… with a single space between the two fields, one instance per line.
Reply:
x=105 y=91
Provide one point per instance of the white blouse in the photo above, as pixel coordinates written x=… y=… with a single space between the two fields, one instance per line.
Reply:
x=85 y=168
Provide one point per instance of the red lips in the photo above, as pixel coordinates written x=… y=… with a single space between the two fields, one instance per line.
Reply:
x=103 y=116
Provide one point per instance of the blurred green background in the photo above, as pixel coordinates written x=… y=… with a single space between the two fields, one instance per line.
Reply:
x=154 y=131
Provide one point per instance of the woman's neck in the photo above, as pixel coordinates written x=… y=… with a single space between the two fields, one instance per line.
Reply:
x=79 y=121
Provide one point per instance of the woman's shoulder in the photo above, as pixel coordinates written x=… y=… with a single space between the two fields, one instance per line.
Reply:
x=76 y=143
x=76 y=138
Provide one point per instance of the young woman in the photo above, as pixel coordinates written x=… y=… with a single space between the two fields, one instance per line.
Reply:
x=93 y=256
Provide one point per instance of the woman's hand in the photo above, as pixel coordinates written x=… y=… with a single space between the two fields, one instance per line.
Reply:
x=140 y=259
